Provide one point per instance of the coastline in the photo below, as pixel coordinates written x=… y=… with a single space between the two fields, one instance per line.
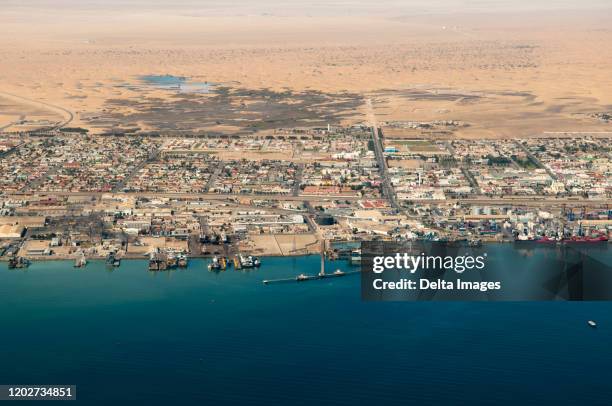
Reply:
x=520 y=245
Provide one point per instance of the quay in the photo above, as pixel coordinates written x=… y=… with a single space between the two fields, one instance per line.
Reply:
x=305 y=278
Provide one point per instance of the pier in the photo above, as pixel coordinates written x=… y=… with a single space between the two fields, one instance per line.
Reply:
x=306 y=278
x=321 y=275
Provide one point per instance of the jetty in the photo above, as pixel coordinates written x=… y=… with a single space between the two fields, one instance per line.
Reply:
x=321 y=275
x=305 y=278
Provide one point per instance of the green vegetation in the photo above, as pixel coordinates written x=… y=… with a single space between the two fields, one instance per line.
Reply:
x=498 y=160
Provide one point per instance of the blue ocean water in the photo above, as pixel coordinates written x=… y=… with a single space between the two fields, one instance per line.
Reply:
x=128 y=336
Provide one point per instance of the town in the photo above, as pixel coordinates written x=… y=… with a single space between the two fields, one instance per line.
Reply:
x=70 y=195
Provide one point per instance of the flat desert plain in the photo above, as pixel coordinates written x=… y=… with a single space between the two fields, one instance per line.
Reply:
x=499 y=71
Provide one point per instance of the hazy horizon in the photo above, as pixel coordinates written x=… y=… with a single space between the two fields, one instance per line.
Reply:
x=299 y=7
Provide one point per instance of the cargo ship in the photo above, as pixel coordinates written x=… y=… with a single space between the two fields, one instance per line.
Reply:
x=567 y=240
x=587 y=239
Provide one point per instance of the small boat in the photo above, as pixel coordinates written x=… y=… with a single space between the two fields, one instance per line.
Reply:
x=113 y=260
x=214 y=265
x=171 y=260
x=110 y=258
x=182 y=260
x=16 y=262
x=475 y=243
x=158 y=261
x=249 y=261
x=338 y=272
x=301 y=277
x=592 y=323
x=81 y=261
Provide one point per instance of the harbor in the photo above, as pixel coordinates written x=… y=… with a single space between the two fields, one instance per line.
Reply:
x=191 y=316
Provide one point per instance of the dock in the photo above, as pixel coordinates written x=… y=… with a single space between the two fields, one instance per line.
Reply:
x=306 y=278
x=321 y=275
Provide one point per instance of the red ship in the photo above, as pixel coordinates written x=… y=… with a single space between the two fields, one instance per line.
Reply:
x=546 y=240
x=600 y=238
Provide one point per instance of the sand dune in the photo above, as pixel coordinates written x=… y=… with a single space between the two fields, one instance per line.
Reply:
x=533 y=71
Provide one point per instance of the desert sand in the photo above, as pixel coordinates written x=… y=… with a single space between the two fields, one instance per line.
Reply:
x=505 y=71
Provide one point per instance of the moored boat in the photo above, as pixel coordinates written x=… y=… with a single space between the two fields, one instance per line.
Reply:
x=338 y=272
x=588 y=239
x=16 y=262
x=80 y=261
x=476 y=242
x=112 y=259
x=214 y=265
x=355 y=257
x=249 y=261
x=182 y=260
x=158 y=261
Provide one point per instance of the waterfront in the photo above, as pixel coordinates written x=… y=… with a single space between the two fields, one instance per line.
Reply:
x=133 y=336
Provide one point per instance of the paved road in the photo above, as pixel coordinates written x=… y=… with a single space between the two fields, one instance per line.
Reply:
x=532 y=200
x=12 y=123
x=536 y=160
x=204 y=196
x=312 y=225
x=214 y=176
x=295 y=190
x=152 y=157
x=388 y=191
x=506 y=201
x=68 y=115
x=11 y=151
x=34 y=184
